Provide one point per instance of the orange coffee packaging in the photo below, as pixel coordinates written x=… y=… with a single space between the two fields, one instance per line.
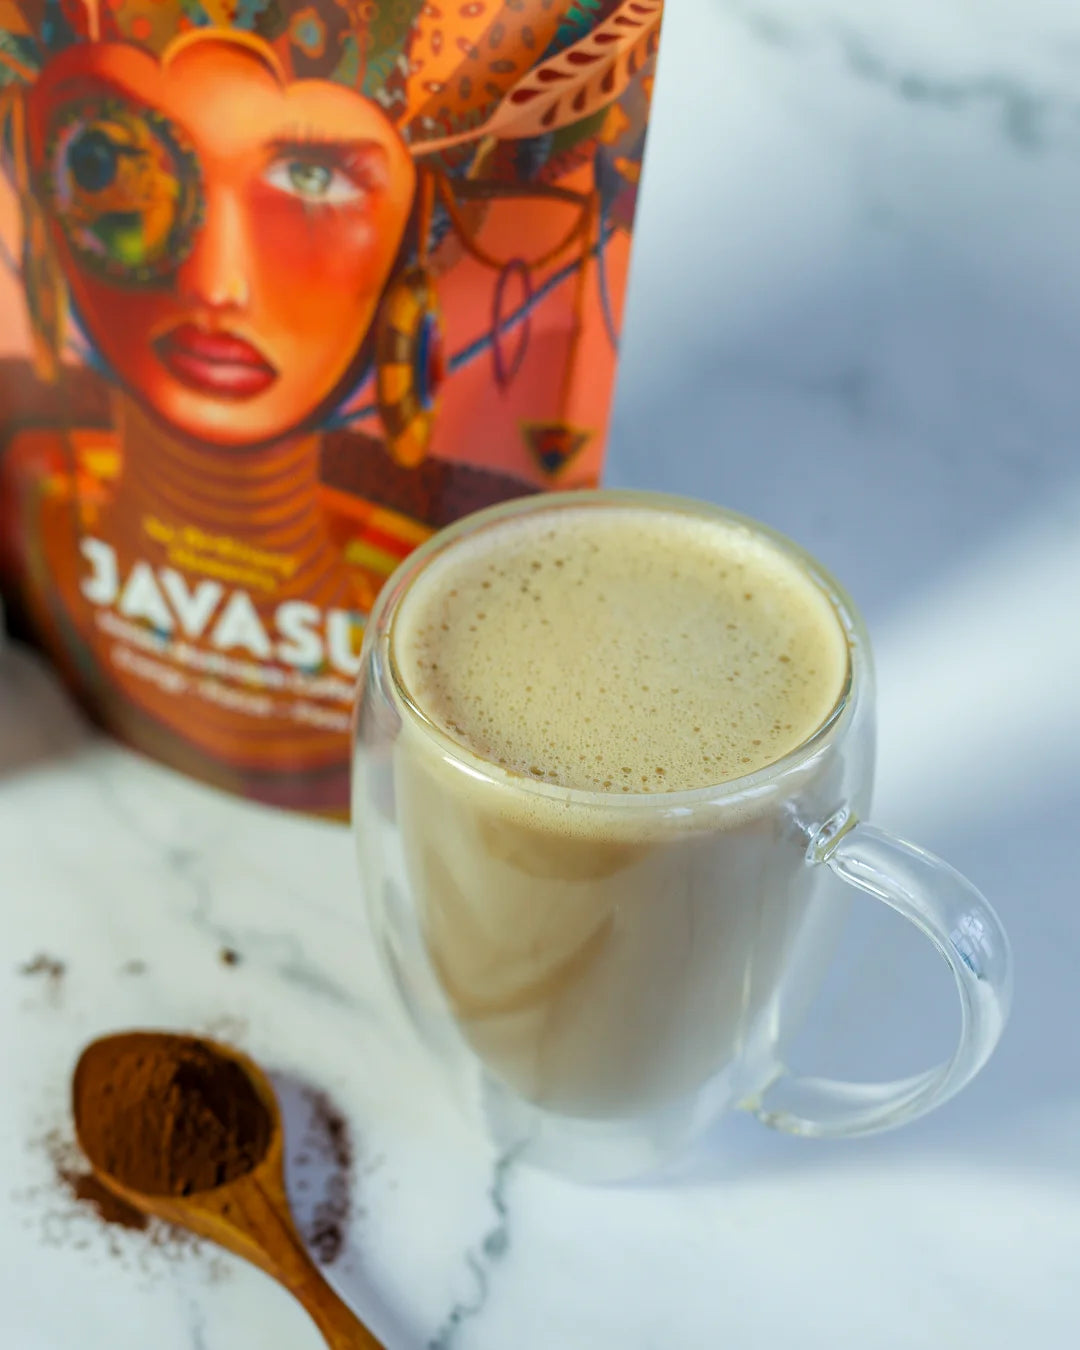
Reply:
x=286 y=287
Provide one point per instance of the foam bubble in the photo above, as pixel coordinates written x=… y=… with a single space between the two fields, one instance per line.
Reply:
x=621 y=649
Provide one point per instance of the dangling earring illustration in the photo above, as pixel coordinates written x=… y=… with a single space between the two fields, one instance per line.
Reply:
x=409 y=361
x=43 y=279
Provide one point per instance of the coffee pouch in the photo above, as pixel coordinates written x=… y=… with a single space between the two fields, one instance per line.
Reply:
x=285 y=287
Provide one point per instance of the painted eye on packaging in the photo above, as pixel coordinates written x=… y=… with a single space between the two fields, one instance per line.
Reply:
x=126 y=190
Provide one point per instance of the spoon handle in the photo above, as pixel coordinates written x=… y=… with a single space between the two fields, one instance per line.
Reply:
x=341 y=1328
x=266 y=1235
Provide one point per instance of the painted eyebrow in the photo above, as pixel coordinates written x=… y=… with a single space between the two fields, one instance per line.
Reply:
x=304 y=139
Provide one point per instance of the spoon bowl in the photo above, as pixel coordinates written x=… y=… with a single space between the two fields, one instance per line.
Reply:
x=248 y=1215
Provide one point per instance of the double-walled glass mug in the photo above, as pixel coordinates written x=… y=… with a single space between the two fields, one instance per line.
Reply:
x=604 y=970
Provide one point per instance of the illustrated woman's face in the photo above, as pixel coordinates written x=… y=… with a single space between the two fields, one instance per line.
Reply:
x=225 y=236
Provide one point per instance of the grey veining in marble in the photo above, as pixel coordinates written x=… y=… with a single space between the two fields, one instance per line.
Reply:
x=492 y=1249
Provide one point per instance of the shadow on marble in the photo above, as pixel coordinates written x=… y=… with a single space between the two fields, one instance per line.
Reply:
x=851 y=374
x=909 y=420
x=39 y=722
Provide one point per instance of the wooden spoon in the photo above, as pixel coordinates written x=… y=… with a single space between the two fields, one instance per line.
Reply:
x=248 y=1215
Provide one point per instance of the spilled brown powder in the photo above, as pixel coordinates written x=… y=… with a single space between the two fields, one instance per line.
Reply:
x=86 y=1188
x=321 y=1173
x=47 y=972
x=167 y=1115
x=74 y=1211
x=43 y=964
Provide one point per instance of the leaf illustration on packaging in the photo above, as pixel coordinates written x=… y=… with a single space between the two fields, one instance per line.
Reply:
x=579 y=81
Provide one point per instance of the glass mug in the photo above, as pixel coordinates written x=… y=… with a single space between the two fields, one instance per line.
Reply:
x=602 y=974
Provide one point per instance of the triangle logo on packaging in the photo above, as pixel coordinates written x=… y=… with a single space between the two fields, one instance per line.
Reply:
x=554 y=444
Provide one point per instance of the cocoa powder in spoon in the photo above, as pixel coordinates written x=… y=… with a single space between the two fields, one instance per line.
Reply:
x=166 y=1115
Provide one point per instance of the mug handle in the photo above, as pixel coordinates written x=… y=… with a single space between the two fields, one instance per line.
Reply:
x=961 y=924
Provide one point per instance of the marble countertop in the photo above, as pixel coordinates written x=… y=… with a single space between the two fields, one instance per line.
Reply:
x=856 y=315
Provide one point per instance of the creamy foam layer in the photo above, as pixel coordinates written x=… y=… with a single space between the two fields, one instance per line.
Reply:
x=621 y=649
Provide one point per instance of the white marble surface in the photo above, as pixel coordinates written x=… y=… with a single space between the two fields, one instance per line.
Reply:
x=860 y=323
